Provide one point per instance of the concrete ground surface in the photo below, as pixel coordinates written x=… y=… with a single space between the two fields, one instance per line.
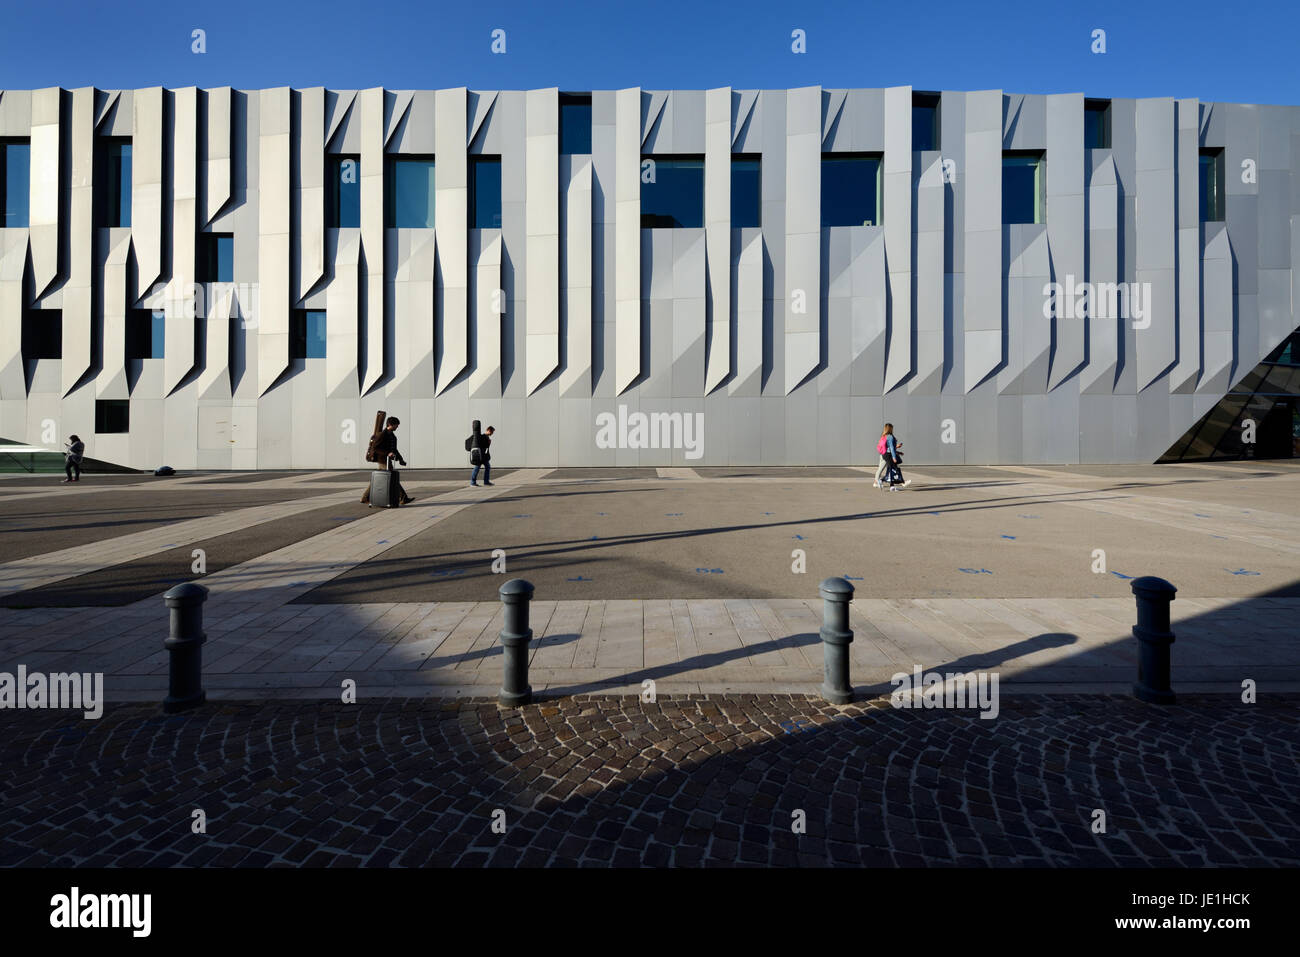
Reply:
x=687 y=577
x=749 y=780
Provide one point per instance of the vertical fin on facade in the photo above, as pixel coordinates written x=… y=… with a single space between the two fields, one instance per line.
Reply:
x=147 y=139
x=220 y=174
x=542 y=236
x=371 y=346
x=273 y=234
x=1065 y=226
x=983 y=343
x=1188 y=238
x=575 y=175
x=627 y=238
x=1156 y=228
x=717 y=224
x=310 y=186
x=485 y=380
x=78 y=299
x=179 y=308
x=898 y=233
x=451 y=216
x=802 y=292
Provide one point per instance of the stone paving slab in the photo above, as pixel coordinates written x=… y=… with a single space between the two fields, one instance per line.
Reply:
x=702 y=779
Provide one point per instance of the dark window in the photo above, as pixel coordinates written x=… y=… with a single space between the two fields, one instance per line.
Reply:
x=851 y=189
x=42 y=334
x=575 y=124
x=112 y=415
x=216 y=257
x=672 y=192
x=113 y=182
x=15 y=182
x=307 y=334
x=343 y=192
x=1023 y=185
x=1212 y=185
x=485 y=191
x=1096 y=124
x=746 y=192
x=410 y=192
x=144 y=334
x=925 y=121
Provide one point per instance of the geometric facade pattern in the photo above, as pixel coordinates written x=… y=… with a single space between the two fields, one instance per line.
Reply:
x=794 y=339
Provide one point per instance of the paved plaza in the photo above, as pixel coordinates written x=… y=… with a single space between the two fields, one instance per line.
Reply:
x=703 y=581
x=675 y=663
x=704 y=779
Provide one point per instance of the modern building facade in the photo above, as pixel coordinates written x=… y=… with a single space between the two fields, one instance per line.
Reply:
x=228 y=279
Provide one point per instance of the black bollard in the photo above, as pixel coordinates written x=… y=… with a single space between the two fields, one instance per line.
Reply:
x=1154 y=638
x=836 y=637
x=515 y=636
x=185 y=643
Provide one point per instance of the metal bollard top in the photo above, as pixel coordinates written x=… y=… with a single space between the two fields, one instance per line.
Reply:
x=187 y=593
x=1152 y=588
x=516 y=590
x=836 y=589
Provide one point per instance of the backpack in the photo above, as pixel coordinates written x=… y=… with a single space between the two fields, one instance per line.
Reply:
x=882 y=446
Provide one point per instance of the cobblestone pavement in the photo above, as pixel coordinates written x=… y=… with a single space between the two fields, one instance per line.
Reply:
x=688 y=780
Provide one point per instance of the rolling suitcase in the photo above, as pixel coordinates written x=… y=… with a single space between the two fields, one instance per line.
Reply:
x=383 y=488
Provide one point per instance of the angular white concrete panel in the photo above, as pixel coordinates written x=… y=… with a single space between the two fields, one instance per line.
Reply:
x=13 y=266
x=342 y=312
x=575 y=175
x=982 y=246
x=897 y=213
x=310 y=186
x=485 y=380
x=1104 y=330
x=1215 y=276
x=147 y=135
x=180 y=319
x=219 y=159
x=802 y=281
x=1155 y=227
x=43 y=182
x=214 y=379
x=451 y=217
x=717 y=224
x=1065 y=225
x=1188 y=240
x=78 y=300
x=928 y=236
x=627 y=238
x=115 y=250
x=542 y=230
x=272 y=318
x=747 y=280
x=413 y=312
x=369 y=111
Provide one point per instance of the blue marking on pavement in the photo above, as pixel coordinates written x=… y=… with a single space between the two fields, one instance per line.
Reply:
x=522 y=516
x=799 y=537
x=709 y=571
x=933 y=513
x=769 y=513
x=579 y=579
x=1121 y=575
x=852 y=578
x=1239 y=571
x=1199 y=515
x=594 y=538
x=1012 y=537
x=382 y=541
x=673 y=514
x=1224 y=537
x=602 y=513
x=975 y=571
x=1029 y=516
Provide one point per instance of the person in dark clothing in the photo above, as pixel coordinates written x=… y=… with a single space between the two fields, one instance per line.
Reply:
x=478 y=444
x=386 y=449
x=72 y=458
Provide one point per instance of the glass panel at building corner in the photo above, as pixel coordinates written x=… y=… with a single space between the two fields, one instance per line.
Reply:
x=17 y=164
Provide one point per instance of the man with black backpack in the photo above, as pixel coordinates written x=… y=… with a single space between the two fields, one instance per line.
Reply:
x=477 y=446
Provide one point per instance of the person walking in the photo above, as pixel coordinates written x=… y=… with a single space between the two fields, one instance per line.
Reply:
x=477 y=445
x=75 y=449
x=892 y=459
x=881 y=448
x=386 y=450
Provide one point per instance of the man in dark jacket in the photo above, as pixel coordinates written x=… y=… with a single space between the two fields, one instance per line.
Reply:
x=72 y=458
x=478 y=444
x=385 y=449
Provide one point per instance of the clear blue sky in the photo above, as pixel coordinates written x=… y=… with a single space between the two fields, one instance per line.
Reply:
x=1243 y=52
